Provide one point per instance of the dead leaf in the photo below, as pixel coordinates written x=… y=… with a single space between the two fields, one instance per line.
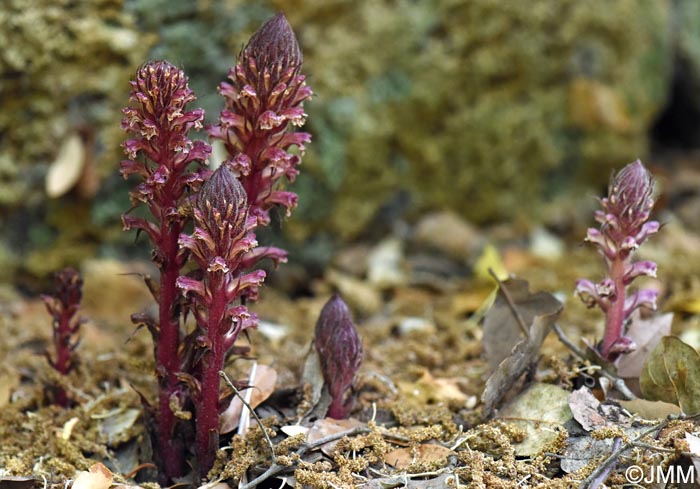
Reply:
x=650 y=409
x=115 y=426
x=313 y=376
x=539 y=410
x=64 y=172
x=501 y=328
x=97 y=477
x=329 y=426
x=585 y=408
x=430 y=390
x=294 y=429
x=646 y=334
x=262 y=386
x=401 y=458
x=581 y=450
x=522 y=357
x=672 y=374
x=694 y=448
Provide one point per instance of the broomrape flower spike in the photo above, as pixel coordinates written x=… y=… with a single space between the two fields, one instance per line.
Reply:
x=221 y=245
x=340 y=352
x=63 y=307
x=624 y=227
x=169 y=164
x=263 y=104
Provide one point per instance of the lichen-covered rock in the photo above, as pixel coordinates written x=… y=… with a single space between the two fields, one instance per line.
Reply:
x=483 y=106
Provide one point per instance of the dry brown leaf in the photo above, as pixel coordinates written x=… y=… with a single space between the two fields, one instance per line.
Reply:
x=650 y=409
x=64 y=172
x=502 y=330
x=263 y=385
x=646 y=334
x=431 y=390
x=329 y=426
x=401 y=458
x=526 y=352
x=97 y=477
x=585 y=408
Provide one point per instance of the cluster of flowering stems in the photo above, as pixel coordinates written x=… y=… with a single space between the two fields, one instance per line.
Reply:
x=63 y=307
x=264 y=99
x=624 y=226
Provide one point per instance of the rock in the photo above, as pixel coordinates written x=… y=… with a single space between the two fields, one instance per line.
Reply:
x=448 y=233
x=385 y=265
x=545 y=245
x=358 y=294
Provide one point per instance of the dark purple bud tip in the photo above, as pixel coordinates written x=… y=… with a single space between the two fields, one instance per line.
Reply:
x=69 y=286
x=340 y=352
x=275 y=43
x=631 y=191
x=225 y=194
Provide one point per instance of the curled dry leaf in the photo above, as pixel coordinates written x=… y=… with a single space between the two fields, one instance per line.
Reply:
x=672 y=374
x=401 y=458
x=97 y=477
x=64 y=172
x=263 y=385
x=585 y=408
x=524 y=355
x=502 y=330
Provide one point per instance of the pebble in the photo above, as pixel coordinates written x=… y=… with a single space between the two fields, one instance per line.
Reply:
x=447 y=232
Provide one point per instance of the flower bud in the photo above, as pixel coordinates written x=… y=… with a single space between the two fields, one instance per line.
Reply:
x=275 y=44
x=340 y=352
x=223 y=194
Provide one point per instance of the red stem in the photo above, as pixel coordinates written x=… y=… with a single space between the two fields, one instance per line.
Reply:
x=615 y=317
x=62 y=340
x=207 y=412
x=170 y=446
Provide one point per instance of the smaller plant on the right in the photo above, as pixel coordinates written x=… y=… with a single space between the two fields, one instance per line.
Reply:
x=624 y=227
x=340 y=352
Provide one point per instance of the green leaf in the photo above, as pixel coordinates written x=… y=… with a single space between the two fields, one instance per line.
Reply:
x=672 y=374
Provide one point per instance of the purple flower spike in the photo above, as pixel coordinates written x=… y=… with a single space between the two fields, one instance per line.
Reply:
x=220 y=245
x=63 y=307
x=624 y=226
x=264 y=103
x=340 y=351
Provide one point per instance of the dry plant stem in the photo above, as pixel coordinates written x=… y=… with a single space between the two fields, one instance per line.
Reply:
x=511 y=304
x=275 y=469
x=618 y=383
x=252 y=411
x=602 y=472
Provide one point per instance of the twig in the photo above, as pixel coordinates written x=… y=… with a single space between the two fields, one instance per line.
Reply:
x=617 y=382
x=275 y=468
x=250 y=409
x=602 y=472
x=511 y=304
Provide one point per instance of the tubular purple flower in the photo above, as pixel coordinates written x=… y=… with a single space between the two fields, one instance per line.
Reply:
x=340 y=351
x=624 y=226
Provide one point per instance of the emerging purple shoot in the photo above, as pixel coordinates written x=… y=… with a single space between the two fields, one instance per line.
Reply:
x=221 y=246
x=160 y=124
x=63 y=307
x=624 y=226
x=263 y=103
x=340 y=351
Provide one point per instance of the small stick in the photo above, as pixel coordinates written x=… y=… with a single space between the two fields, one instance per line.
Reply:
x=250 y=409
x=601 y=473
x=275 y=469
x=511 y=304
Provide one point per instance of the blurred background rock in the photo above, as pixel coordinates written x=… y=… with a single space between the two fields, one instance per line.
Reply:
x=488 y=108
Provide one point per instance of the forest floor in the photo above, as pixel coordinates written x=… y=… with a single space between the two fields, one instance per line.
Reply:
x=421 y=298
